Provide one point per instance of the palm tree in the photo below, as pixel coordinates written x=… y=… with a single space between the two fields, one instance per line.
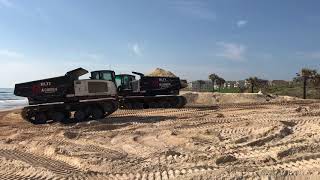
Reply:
x=262 y=83
x=297 y=80
x=306 y=74
x=220 y=81
x=316 y=82
x=253 y=81
x=213 y=77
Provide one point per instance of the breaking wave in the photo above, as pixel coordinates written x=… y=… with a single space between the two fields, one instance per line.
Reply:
x=13 y=103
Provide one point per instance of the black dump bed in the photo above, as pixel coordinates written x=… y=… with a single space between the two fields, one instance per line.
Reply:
x=49 y=90
x=160 y=85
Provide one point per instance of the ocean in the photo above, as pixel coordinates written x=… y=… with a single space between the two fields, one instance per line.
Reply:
x=8 y=100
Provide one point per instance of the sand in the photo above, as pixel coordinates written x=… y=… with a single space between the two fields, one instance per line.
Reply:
x=267 y=139
x=208 y=98
x=158 y=72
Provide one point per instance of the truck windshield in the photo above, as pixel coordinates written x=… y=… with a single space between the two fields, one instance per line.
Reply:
x=126 y=82
x=118 y=81
x=106 y=76
x=103 y=75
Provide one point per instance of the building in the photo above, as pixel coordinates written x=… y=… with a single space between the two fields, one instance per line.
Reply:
x=234 y=84
x=201 y=85
x=230 y=84
x=279 y=83
x=206 y=85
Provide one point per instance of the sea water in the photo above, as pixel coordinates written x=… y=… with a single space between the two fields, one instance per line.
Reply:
x=8 y=100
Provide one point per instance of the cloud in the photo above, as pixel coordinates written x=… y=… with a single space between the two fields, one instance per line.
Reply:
x=309 y=55
x=41 y=13
x=242 y=23
x=10 y=54
x=232 y=51
x=194 y=8
x=92 y=56
x=266 y=56
x=81 y=56
x=136 y=49
x=6 y=3
x=315 y=55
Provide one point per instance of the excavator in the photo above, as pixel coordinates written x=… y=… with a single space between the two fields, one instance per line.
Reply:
x=147 y=91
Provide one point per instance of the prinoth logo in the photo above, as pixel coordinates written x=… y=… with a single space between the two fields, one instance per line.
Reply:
x=36 y=89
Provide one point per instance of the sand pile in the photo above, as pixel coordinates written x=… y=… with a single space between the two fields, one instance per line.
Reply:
x=207 y=98
x=161 y=73
x=249 y=141
x=253 y=141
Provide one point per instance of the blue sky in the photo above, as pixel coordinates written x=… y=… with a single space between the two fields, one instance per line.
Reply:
x=193 y=38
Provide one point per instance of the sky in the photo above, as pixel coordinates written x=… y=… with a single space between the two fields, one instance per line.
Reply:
x=235 y=39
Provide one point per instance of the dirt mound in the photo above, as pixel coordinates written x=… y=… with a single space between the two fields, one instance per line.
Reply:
x=248 y=141
x=70 y=135
x=281 y=133
x=161 y=73
x=225 y=159
x=298 y=150
x=208 y=98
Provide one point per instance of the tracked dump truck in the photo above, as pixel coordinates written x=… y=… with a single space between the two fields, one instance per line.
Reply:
x=146 y=92
x=57 y=98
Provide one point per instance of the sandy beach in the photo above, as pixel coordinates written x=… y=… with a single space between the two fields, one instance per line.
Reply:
x=245 y=140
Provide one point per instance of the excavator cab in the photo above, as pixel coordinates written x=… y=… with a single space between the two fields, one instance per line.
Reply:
x=124 y=82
